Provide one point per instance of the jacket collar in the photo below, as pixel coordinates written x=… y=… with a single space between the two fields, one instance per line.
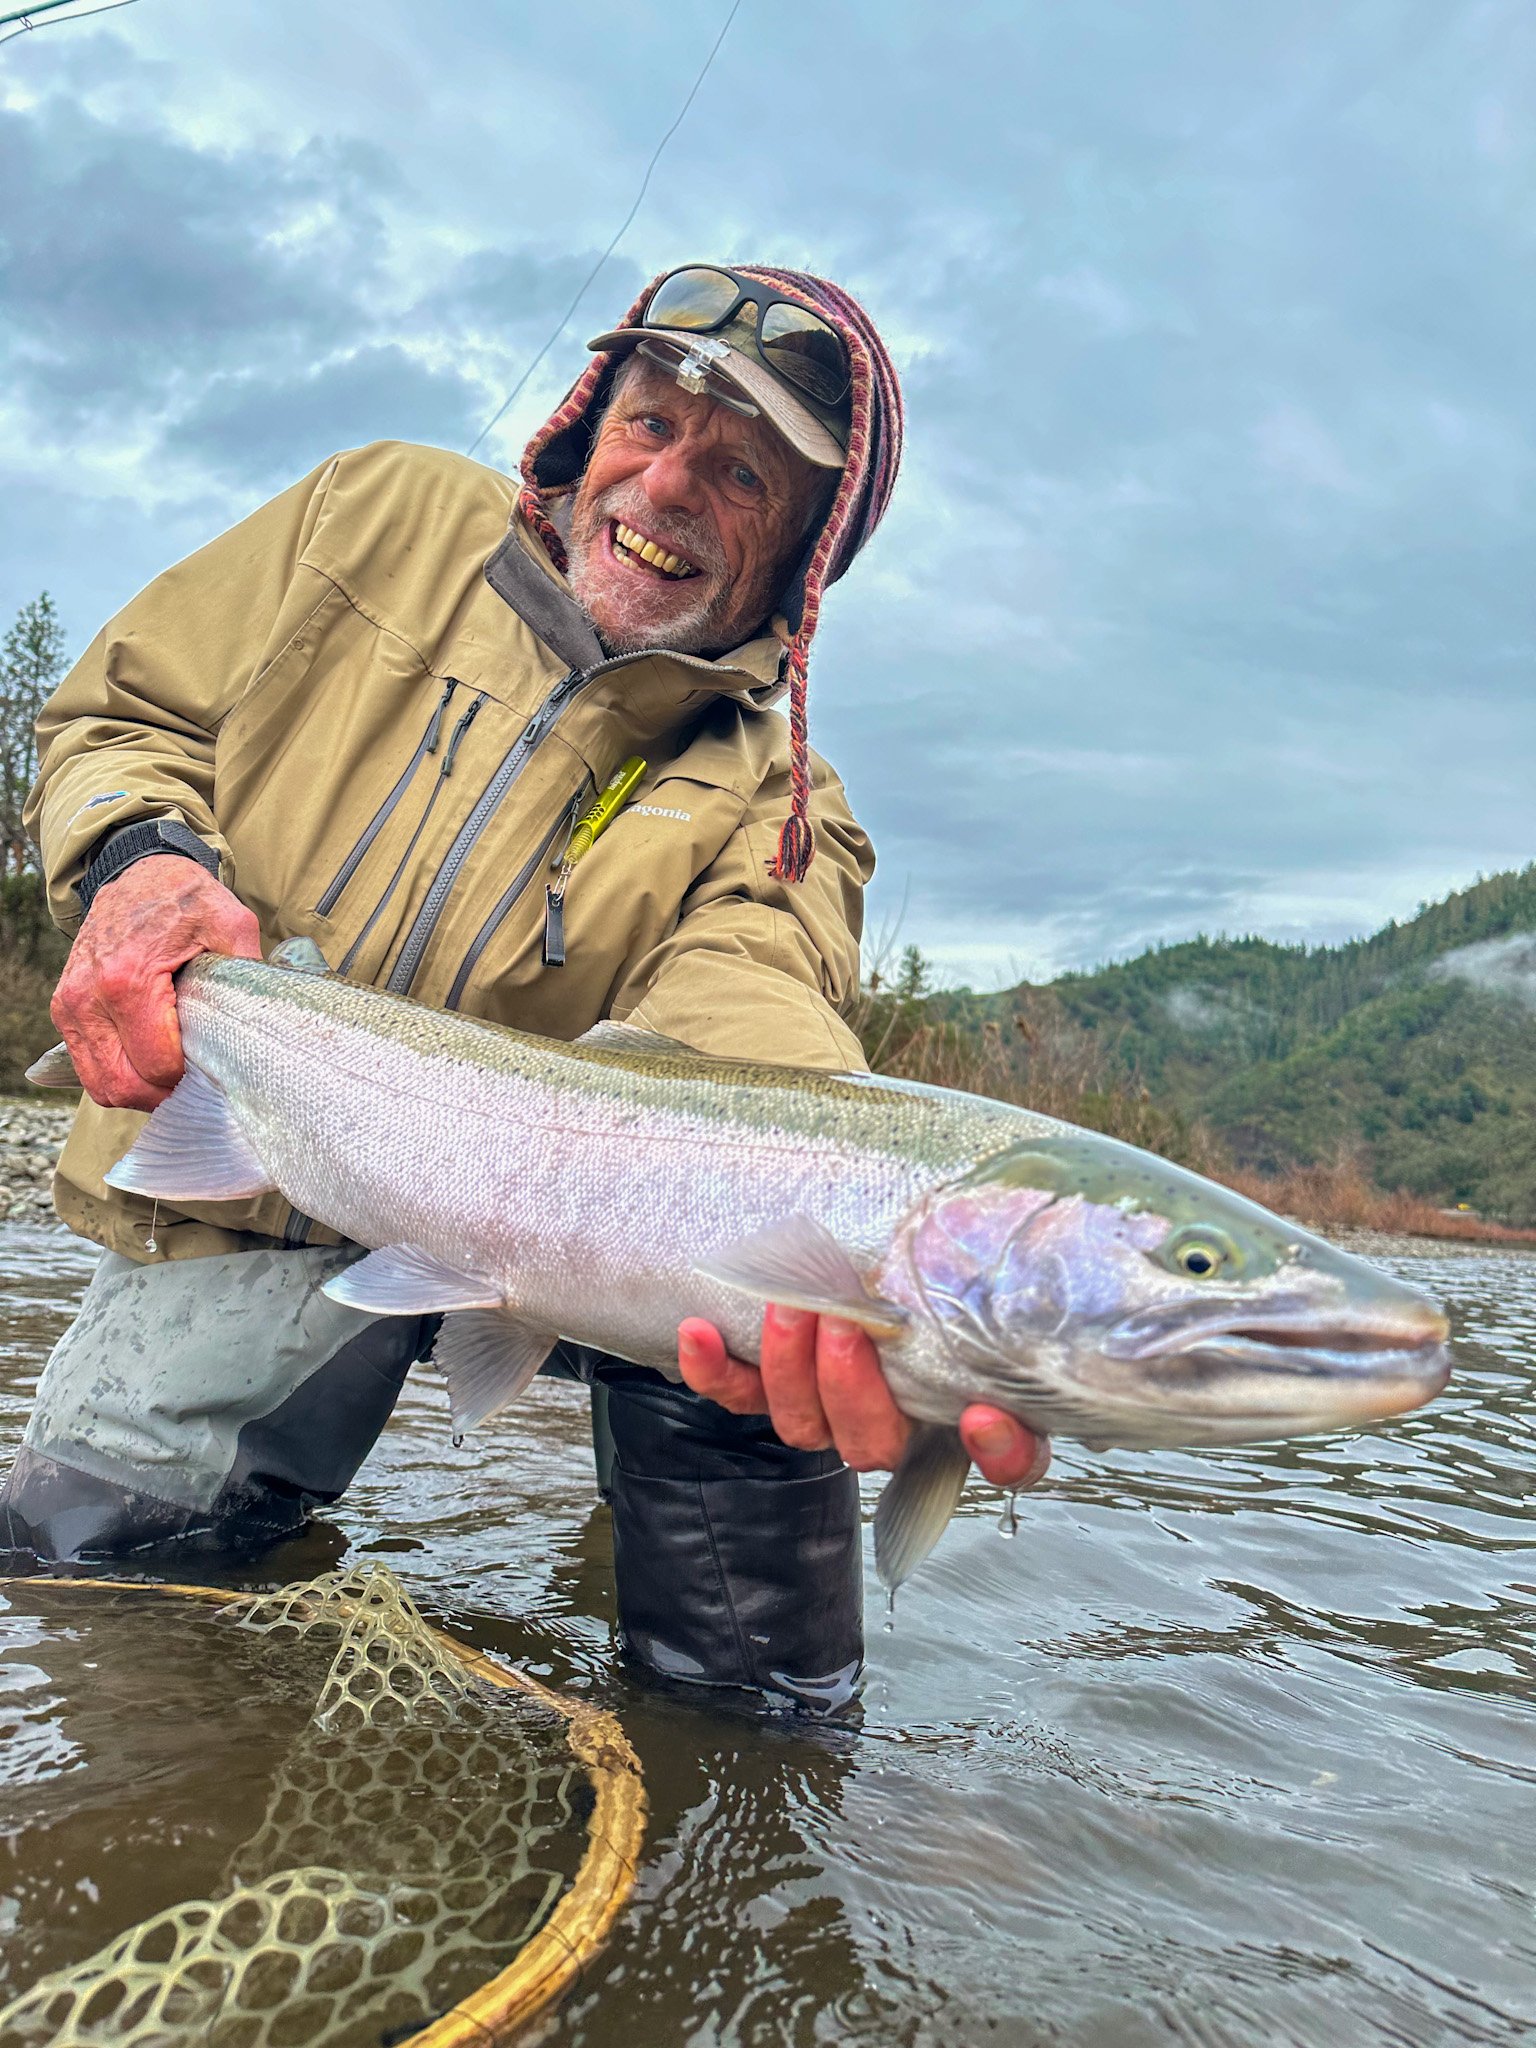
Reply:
x=523 y=577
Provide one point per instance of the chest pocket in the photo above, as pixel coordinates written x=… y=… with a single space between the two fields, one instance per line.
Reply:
x=623 y=897
x=627 y=892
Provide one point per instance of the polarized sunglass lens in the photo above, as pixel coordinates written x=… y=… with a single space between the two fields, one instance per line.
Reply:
x=693 y=299
x=806 y=350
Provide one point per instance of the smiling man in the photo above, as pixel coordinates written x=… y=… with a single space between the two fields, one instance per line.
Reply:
x=372 y=714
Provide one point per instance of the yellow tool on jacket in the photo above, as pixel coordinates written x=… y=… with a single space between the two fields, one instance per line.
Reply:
x=593 y=822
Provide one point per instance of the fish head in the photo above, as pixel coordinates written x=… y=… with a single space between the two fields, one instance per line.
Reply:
x=1095 y=1290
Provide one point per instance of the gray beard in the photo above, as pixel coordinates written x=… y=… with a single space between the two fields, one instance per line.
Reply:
x=698 y=634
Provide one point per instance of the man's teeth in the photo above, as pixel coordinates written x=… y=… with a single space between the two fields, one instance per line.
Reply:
x=647 y=551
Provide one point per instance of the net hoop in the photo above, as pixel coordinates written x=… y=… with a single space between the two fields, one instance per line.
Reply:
x=546 y=1967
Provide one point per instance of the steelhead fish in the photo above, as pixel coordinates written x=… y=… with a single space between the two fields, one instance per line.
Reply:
x=529 y=1189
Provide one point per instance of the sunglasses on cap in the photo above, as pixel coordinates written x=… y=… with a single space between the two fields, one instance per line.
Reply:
x=795 y=343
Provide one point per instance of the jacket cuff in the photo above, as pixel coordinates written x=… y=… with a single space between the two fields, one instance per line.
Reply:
x=120 y=850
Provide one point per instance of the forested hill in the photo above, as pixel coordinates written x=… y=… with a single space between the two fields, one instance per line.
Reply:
x=1415 y=1049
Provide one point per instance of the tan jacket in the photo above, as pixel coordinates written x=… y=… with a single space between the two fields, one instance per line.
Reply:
x=379 y=701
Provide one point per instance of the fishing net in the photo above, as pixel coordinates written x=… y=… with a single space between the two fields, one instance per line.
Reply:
x=445 y=1843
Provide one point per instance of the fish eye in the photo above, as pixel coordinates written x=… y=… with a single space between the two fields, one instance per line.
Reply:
x=1200 y=1253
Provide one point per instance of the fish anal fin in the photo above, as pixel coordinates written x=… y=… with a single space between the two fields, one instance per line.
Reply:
x=798 y=1264
x=487 y=1357
x=192 y=1150
x=917 y=1503
x=54 y=1069
x=404 y=1280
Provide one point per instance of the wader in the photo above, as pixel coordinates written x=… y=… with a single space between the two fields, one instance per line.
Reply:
x=216 y=1400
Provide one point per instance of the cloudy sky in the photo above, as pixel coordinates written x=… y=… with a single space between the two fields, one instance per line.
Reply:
x=1206 y=601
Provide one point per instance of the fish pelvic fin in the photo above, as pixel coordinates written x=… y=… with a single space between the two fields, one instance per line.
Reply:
x=192 y=1150
x=298 y=956
x=915 y=1508
x=487 y=1357
x=54 y=1069
x=799 y=1265
x=404 y=1280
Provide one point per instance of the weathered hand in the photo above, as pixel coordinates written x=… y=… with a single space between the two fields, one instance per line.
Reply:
x=115 y=1003
x=820 y=1383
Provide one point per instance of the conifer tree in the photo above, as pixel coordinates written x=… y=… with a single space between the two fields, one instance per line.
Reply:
x=31 y=664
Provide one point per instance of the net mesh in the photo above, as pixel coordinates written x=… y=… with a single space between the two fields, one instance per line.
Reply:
x=410 y=1847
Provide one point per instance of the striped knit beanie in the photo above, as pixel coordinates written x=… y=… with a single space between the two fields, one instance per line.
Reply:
x=557 y=455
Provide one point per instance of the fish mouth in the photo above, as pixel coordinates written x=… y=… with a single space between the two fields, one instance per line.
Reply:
x=1362 y=1364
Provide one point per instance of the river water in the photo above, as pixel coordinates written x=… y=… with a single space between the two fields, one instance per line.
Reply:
x=1235 y=1747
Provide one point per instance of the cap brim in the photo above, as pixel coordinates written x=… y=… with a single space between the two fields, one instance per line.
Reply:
x=797 y=423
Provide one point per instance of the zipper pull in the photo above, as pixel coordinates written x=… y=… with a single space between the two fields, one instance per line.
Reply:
x=458 y=733
x=435 y=729
x=554 y=919
x=554 y=892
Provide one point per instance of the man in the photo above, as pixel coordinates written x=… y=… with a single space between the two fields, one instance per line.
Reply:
x=371 y=713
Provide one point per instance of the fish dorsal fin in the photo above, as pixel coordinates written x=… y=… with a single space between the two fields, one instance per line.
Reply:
x=54 y=1069
x=799 y=1265
x=404 y=1280
x=298 y=956
x=610 y=1036
x=487 y=1357
x=192 y=1150
x=915 y=1507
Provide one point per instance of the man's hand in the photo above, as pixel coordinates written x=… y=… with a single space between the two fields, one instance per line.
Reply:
x=821 y=1385
x=115 y=1003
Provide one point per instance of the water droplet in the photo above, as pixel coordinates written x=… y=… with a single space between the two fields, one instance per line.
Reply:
x=890 y=1610
x=150 y=1245
x=458 y=1439
x=1008 y=1520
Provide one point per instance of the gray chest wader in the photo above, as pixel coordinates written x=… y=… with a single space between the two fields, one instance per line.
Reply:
x=213 y=1402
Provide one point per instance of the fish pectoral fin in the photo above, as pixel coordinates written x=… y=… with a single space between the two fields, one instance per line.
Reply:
x=487 y=1357
x=298 y=956
x=192 y=1150
x=916 y=1506
x=54 y=1069
x=403 y=1280
x=799 y=1265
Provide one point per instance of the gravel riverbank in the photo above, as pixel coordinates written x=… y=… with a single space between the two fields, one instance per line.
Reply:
x=31 y=1136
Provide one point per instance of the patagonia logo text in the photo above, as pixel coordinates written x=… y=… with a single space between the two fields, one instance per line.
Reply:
x=659 y=811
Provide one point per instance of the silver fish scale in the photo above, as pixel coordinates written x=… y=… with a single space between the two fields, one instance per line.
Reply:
x=585 y=1183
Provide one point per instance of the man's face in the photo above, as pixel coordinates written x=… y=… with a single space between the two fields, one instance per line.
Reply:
x=722 y=496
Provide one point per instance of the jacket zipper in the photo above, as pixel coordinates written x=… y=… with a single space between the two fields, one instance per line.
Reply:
x=354 y=860
x=445 y=769
x=510 y=895
x=513 y=763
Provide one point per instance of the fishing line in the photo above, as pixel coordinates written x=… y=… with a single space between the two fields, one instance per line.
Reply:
x=25 y=22
x=565 y=317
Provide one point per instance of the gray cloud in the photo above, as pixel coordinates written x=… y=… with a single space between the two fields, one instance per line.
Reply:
x=262 y=430
x=130 y=260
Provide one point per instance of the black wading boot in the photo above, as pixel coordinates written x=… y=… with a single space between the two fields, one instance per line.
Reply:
x=738 y=1560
